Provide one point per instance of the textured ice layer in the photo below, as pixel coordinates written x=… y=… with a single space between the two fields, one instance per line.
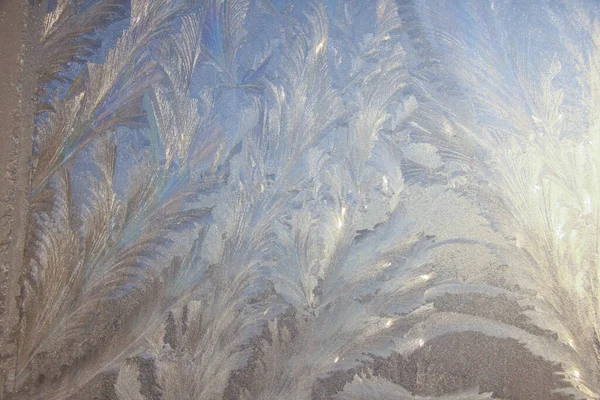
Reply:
x=342 y=199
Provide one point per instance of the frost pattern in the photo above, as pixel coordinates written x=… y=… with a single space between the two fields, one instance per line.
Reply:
x=266 y=199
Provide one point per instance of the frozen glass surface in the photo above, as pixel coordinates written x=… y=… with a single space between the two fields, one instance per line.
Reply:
x=340 y=199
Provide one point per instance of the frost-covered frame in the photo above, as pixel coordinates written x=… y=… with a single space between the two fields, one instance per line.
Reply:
x=341 y=199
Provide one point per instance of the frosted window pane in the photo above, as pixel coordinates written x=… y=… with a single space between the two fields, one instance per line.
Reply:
x=341 y=199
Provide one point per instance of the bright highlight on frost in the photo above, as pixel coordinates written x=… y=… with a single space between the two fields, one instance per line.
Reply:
x=320 y=46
